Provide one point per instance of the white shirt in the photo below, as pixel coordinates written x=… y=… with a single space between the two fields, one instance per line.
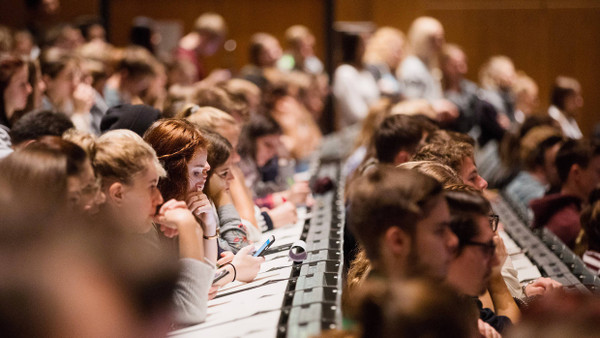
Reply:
x=418 y=80
x=568 y=124
x=354 y=92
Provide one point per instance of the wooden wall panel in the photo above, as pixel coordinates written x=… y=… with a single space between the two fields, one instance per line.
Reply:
x=243 y=17
x=13 y=13
x=544 y=37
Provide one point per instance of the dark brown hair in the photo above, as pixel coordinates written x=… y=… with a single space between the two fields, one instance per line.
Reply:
x=387 y=196
x=9 y=65
x=219 y=150
x=465 y=203
x=412 y=308
x=450 y=153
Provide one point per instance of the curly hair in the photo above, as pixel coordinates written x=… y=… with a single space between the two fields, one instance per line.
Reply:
x=450 y=153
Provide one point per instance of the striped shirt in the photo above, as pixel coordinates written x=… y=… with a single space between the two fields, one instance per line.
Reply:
x=592 y=261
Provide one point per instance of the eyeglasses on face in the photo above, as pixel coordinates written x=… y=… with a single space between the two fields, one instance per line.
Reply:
x=494 y=220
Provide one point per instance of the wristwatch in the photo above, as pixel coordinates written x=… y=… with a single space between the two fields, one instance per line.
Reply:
x=526 y=285
x=216 y=235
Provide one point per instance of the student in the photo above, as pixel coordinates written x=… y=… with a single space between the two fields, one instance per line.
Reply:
x=14 y=91
x=133 y=75
x=130 y=173
x=83 y=189
x=578 y=166
x=264 y=52
x=590 y=222
x=475 y=267
x=65 y=91
x=415 y=307
x=217 y=190
x=458 y=156
x=34 y=101
x=36 y=124
x=270 y=182
x=426 y=39
x=30 y=179
x=300 y=54
x=262 y=220
x=383 y=54
x=566 y=102
x=458 y=89
x=354 y=87
x=184 y=151
x=400 y=218
x=397 y=139
x=538 y=150
x=208 y=35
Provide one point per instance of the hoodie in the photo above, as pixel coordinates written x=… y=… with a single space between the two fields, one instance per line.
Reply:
x=560 y=214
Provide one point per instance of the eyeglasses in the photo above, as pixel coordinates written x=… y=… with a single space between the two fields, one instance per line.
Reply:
x=488 y=248
x=494 y=220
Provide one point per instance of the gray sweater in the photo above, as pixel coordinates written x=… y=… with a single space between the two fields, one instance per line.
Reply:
x=191 y=292
x=233 y=233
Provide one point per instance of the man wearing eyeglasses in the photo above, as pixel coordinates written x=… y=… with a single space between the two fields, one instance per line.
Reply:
x=476 y=267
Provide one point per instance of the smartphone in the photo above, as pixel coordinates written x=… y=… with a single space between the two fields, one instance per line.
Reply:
x=220 y=275
x=264 y=247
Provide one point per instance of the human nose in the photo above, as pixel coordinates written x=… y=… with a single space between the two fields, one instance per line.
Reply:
x=236 y=157
x=100 y=198
x=158 y=199
x=451 y=241
x=41 y=85
x=482 y=183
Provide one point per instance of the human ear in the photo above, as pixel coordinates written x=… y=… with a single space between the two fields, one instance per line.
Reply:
x=116 y=193
x=401 y=157
x=397 y=241
x=575 y=171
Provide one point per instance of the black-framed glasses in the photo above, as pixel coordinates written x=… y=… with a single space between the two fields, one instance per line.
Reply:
x=488 y=248
x=494 y=220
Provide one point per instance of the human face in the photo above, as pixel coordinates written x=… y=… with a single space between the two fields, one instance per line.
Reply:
x=39 y=89
x=470 y=271
x=468 y=173
x=437 y=39
x=434 y=242
x=456 y=64
x=573 y=103
x=591 y=177
x=141 y=199
x=224 y=172
x=61 y=88
x=271 y=52
x=84 y=190
x=17 y=91
x=198 y=169
x=549 y=167
x=232 y=134
x=266 y=148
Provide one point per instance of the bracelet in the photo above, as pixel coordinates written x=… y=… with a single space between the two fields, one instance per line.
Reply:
x=214 y=236
x=234 y=271
x=525 y=286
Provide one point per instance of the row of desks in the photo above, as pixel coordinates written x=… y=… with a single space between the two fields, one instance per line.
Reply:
x=552 y=257
x=288 y=299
